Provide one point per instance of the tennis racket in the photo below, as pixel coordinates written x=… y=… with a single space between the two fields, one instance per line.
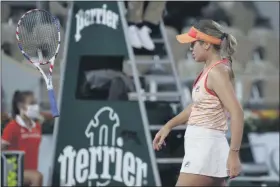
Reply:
x=38 y=36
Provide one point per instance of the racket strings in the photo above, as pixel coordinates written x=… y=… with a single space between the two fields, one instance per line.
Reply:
x=38 y=35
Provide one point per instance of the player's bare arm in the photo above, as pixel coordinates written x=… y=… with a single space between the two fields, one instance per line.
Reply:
x=220 y=81
x=181 y=118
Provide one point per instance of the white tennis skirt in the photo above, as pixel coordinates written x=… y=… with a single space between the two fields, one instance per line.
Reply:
x=206 y=152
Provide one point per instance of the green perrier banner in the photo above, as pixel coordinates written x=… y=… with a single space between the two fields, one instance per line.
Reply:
x=98 y=143
x=96 y=29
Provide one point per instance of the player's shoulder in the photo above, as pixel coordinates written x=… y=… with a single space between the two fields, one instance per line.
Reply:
x=221 y=70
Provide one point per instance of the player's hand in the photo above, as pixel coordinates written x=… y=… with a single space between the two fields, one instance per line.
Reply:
x=160 y=137
x=233 y=164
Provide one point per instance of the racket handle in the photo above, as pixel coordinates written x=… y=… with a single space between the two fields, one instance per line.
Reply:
x=54 y=109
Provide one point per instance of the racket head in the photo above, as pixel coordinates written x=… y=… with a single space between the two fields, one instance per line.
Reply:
x=38 y=36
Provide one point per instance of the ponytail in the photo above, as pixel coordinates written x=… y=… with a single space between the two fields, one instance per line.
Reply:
x=19 y=97
x=228 y=48
x=228 y=45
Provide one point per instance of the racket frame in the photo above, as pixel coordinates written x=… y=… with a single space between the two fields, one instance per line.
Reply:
x=47 y=78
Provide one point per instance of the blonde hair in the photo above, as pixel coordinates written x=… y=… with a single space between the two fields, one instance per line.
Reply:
x=229 y=43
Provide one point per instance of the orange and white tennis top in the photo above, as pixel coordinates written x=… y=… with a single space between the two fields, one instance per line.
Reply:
x=207 y=109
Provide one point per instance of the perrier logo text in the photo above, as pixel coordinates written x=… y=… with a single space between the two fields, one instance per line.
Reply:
x=104 y=160
x=98 y=16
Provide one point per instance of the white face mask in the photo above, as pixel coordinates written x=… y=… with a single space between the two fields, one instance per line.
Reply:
x=32 y=111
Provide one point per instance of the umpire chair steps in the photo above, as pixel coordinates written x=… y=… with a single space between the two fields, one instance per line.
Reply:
x=155 y=80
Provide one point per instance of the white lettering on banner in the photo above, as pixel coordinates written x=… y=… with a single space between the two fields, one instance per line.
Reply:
x=99 y=16
x=79 y=166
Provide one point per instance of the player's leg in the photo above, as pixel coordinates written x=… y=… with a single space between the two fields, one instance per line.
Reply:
x=32 y=178
x=222 y=183
x=188 y=179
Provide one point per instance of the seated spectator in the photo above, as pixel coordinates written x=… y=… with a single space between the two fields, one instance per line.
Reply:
x=141 y=23
x=24 y=134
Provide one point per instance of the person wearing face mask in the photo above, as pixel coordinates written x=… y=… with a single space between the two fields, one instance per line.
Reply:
x=24 y=134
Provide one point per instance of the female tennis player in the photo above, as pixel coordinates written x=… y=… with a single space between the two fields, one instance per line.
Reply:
x=24 y=134
x=208 y=159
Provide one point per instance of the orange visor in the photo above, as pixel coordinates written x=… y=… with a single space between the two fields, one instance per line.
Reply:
x=194 y=35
